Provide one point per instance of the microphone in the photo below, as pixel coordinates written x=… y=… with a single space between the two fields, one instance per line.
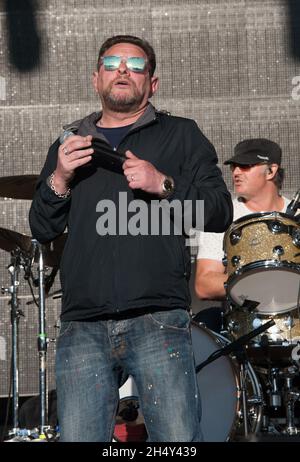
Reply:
x=294 y=204
x=104 y=155
x=65 y=135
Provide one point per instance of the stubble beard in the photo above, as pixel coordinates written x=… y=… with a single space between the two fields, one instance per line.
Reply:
x=122 y=102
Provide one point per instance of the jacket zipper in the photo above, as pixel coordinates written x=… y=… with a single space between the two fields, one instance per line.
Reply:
x=115 y=256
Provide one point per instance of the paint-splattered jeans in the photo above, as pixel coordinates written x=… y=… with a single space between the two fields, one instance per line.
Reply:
x=155 y=349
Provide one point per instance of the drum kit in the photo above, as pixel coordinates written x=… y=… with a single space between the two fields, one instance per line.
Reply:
x=259 y=361
x=248 y=374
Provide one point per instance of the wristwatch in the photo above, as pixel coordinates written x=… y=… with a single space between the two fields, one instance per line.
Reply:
x=168 y=187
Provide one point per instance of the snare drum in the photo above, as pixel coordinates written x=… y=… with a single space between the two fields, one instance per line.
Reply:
x=282 y=338
x=262 y=254
x=285 y=330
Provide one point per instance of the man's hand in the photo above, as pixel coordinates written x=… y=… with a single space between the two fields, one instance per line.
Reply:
x=141 y=174
x=73 y=153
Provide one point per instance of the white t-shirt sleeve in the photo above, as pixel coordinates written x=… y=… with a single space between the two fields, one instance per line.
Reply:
x=210 y=246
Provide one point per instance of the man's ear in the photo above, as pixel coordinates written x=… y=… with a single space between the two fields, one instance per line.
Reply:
x=272 y=170
x=154 y=85
x=95 y=81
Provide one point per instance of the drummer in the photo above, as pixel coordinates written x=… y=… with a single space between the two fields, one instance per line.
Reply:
x=257 y=178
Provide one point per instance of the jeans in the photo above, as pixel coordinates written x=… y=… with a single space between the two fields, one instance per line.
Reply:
x=94 y=357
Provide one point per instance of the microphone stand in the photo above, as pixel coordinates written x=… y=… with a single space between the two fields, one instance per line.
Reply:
x=236 y=345
x=42 y=342
x=14 y=270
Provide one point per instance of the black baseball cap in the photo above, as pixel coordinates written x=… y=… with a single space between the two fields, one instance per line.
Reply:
x=256 y=151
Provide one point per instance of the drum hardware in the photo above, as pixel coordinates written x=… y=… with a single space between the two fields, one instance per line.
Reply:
x=275 y=395
x=296 y=237
x=24 y=252
x=278 y=251
x=235 y=345
x=280 y=386
x=21 y=260
x=295 y=354
x=54 y=295
x=285 y=332
x=49 y=280
x=212 y=318
x=291 y=396
x=294 y=205
x=52 y=251
x=263 y=265
x=275 y=227
x=43 y=283
x=14 y=270
x=249 y=305
x=235 y=261
x=284 y=395
x=243 y=384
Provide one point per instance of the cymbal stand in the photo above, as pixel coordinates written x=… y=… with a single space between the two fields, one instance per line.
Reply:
x=243 y=385
x=14 y=270
x=291 y=396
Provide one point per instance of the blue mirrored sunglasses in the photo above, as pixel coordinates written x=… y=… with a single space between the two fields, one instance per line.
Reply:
x=133 y=63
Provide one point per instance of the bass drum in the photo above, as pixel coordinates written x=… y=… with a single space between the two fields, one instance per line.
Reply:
x=220 y=391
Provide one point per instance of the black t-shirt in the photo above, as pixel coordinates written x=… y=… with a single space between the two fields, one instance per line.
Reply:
x=114 y=135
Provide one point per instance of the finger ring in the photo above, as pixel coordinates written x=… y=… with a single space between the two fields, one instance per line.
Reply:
x=132 y=178
x=65 y=151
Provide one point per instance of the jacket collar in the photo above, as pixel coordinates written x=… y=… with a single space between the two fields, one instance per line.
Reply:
x=87 y=125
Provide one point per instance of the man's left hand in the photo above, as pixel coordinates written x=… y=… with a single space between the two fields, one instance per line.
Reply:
x=141 y=174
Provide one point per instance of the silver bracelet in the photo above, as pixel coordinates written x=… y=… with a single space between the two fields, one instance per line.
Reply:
x=51 y=185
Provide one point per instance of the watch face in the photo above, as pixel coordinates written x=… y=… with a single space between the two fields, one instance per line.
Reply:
x=168 y=185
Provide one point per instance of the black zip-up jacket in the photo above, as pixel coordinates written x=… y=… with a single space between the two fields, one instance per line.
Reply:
x=104 y=275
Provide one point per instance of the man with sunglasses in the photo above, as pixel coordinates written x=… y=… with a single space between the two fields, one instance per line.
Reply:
x=257 y=178
x=125 y=296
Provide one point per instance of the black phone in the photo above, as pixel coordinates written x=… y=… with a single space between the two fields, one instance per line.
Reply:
x=106 y=157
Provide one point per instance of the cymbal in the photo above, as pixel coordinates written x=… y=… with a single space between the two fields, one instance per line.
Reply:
x=52 y=251
x=11 y=240
x=18 y=187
